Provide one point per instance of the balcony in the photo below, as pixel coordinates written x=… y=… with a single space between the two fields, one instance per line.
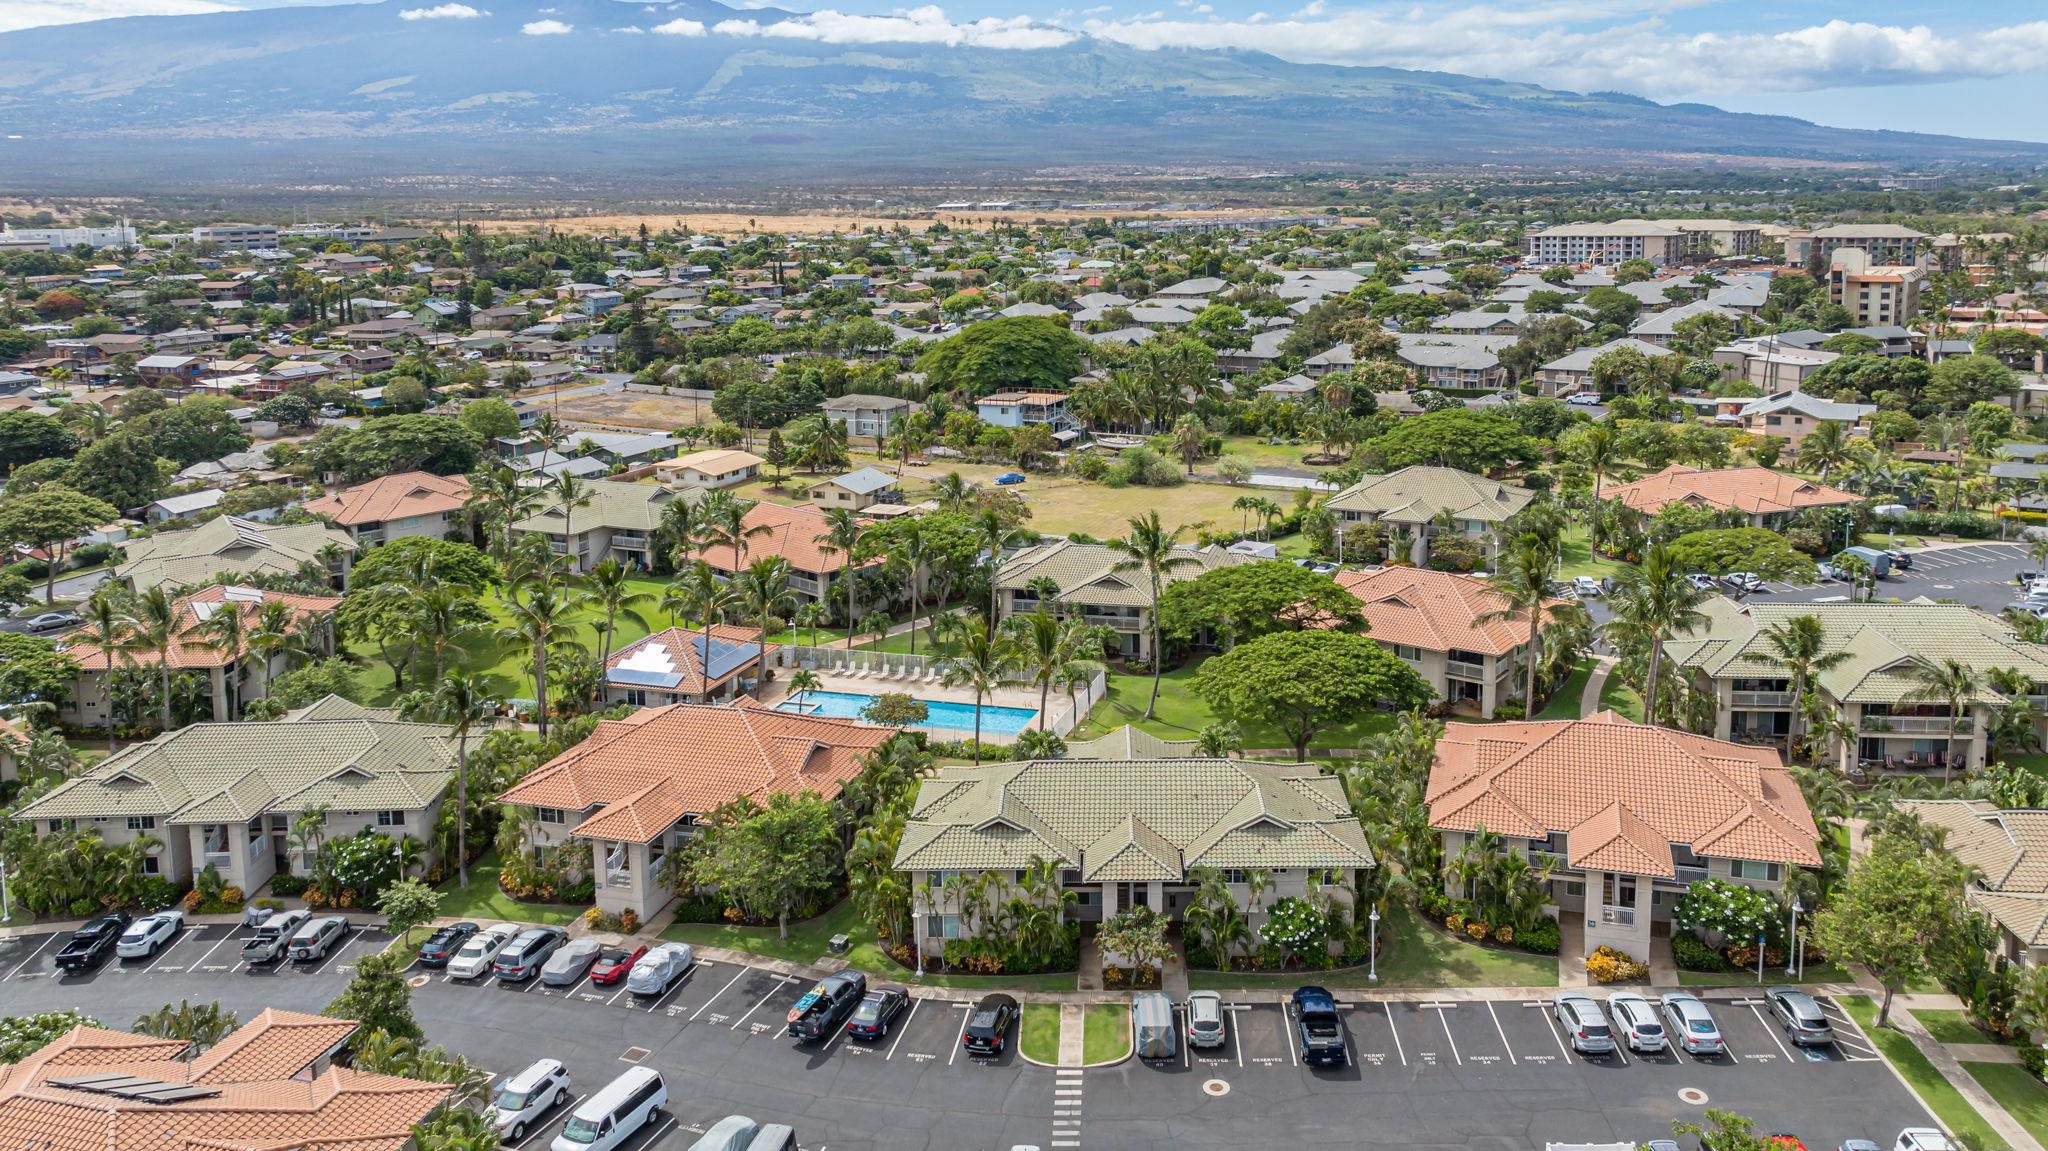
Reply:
x=618 y=877
x=631 y=543
x=221 y=861
x=804 y=584
x=1120 y=622
x=1917 y=724
x=1690 y=875
x=1463 y=670
x=1615 y=916
x=1752 y=699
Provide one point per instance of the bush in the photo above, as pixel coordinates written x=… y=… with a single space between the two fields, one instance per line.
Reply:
x=1691 y=954
x=157 y=893
x=1512 y=709
x=1541 y=938
x=700 y=909
x=286 y=884
x=1606 y=965
x=1737 y=912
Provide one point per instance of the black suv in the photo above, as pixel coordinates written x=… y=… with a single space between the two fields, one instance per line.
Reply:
x=988 y=1025
x=820 y=1012
x=94 y=940
x=442 y=945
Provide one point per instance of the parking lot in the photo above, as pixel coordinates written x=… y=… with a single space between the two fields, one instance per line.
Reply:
x=1980 y=575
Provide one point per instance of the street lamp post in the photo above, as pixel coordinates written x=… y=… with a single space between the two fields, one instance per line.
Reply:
x=6 y=908
x=1792 y=957
x=917 y=928
x=1373 y=945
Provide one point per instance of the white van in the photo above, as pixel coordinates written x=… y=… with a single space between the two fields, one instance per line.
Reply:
x=774 y=1137
x=610 y=1117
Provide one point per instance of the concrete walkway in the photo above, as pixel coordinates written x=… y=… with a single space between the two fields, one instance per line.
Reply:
x=1073 y=1034
x=1596 y=682
x=1571 y=952
x=1948 y=1059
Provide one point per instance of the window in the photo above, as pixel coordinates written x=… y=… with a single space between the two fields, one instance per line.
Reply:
x=390 y=819
x=1408 y=652
x=636 y=697
x=1574 y=888
x=1069 y=878
x=550 y=815
x=151 y=865
x=142 y=823
x=1235 y=875
x=1751 y=869
x=1553 y=844
x=949 y=927
x=57 y=825
x=1690 y=867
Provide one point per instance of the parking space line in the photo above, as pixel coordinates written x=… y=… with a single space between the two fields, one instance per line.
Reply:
x=689 y=975
x=961 y=1037
x=1770 y=1028
x=1443 y=1020
x=1236 y=1044
x=328 y=958
x=619 y=992
x=914 y=1004
x=1550 y=1025
x=1287 y=1026
x=714 y=998
x=1860 y=1043
x=1389 y=1009
x=183 y=935
x=780 y=980
x=211 y=950
x=32 y=956
x=1502 y=1032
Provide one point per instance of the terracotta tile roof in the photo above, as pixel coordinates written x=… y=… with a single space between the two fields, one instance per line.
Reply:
x=396 y=497
x=1754 y=491
x=192 y=651
x=672 y=660
x=660 y=763
x=1620 y=791
x=792 y=534
x=253 y=1101
x=1435 y=611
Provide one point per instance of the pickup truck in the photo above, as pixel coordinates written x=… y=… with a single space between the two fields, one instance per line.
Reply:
x=90 y=945
x=273 y=936
x=1318 y=1027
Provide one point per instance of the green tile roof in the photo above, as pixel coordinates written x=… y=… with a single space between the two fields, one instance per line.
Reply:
x=622 y=507
x=1418 y=494
x=1132 y=820
x=227 y=544
x=1087 y=573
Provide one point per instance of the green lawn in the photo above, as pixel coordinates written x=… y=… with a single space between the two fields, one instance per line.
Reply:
x=807 y=944
x=1265 y=455
x=483 y=900
x=1564 y=702
x=1950 y=1108
x=1039 y=1035
x=1412 y=954
x=1618 y=696
x=1182 y=715
x=1106 y=1033
x=2016 y=1090
x=1952 y=1027
x=1579 y=559
x=1815 y=973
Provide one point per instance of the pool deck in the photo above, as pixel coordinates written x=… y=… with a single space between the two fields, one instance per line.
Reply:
x=778 y=690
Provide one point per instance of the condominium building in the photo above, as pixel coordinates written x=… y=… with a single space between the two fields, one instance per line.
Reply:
x=1873 y=293
x=1606 y=243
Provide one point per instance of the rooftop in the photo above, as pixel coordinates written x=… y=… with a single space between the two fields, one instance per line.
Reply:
x=228 y=544
x=1417 y=494
x=1435 y=611
x=397 y=497
x=1754 y=490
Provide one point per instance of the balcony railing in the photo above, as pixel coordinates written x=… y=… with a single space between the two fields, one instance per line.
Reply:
x=618 y=877
x=1760 y=698
x=804 y=584
x=635 y=542
x=218 y=860
x=1917 y=724
x=1690 y=874
x=1618 y=916
x=1126 y=622
x=1464 y=670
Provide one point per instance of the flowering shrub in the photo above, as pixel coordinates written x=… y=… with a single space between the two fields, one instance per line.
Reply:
x=1606 y=965
x=1505 y=933
x=1479 y=929
x=629 y=921
x=1455 y=921
x=1735 y=911
x=1295 y=925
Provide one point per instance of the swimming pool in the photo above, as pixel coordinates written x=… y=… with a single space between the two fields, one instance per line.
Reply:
x=944 y=715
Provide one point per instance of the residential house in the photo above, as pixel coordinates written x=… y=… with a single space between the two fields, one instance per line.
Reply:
x=866 y=415
x=1767 y=498
x=1770 y=364
x=1454 y=367
x=1878 y=690
x=711 y=468
x=1573 y=372
x=225 y=795
x=274 y=1082
x=168 y=371
x=397 y=507
x=636 y=787
x=1792 y=416
x=233 y=677
x=1439 y=623
x=1015 y=409
x=234 y=546
x=2003 y=848
x=1129 y=833
x=1626 y=815
x=1662 y=327
x=1293 y=389
x=1095 y=587
x=619 y=522
x=673 y=666
x=1196 y=291
x=1422 y=503
x=795 y=534
x=857 y=489
x=181 y=507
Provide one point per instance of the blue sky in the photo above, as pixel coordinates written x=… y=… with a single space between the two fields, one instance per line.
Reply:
x=1975 y=70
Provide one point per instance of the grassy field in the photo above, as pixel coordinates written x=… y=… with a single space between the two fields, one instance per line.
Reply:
x=1950 y=1108
x=1815 y=973
x=1265 y=455
x=1952 y=1027
x=1579 y=559
x=484 y=901
x=1038 y=1036
x=1182 y=715
x=2022 y=1095
x=1412 y=954
x=1106 y=1033
x=1564 y=702
x=1618 y=696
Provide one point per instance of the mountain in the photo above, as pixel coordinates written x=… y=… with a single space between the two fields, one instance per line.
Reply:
x=354 y=94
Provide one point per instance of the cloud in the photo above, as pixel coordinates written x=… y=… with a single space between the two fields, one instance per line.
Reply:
x=441 y=12
x=15 y=14
x=546 y=28
x=926 y=25
x=631 y=30
x=680 y=27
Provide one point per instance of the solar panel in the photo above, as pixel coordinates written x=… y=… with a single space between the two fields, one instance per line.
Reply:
x=136 y=1087
x=726 y=656
x=667 y=679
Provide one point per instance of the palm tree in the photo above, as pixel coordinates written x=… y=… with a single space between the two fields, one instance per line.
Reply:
x=277 y=633
x=811 y=615
x=106 y=627
x=1800 y=646
x=992 y=537
x=985 y=656
x=703 y=593
x=952 y=491
x=225 y=633
x=722 y=520
x=1825 y=447
x=802 y=680
x=842 y=537
x=763 y=592
x=438 y=614
x=1190 y=435
x=201 y=1025
x=1654 y=601
x=569 y=493
x=611 y=592
x=497 y=500
x=535 y=624
x=1523 y=582
x=463 y=699
x=1950 y=682
x=912 y=554
x=154 y=627
x=1151 y=548
x=1043 y=648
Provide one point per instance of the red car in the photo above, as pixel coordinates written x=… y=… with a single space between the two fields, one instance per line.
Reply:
x=1784 y=1141
x=613 y=963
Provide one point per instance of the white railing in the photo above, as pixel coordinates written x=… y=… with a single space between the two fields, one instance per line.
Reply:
x=1618 y=916
x=618 y=877
x=218 y=860
x=1464 y=670
x=1914 y=725
x=1760 y=698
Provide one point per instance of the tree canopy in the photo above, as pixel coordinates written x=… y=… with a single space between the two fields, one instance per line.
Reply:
x=1306 y=681
x=1249 y=600
x=393 y=444
x=1718 y=551
x=770 y=860
x=1901 y=902
x=1026 y=353
x=26 y=437
x=1454 y=438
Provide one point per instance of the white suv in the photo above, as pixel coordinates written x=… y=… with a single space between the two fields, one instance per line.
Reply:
x=526 y=1097
x=473 y=961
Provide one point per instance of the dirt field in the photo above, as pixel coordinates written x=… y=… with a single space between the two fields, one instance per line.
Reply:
x=729 y=223
x=649 y=410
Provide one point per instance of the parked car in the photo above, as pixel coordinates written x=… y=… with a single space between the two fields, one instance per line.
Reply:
x=1637 y=1022
x=1800 y=1015
x=1703 y=581
x=570 y=963
x=1858 y=1145
x=1320 y=567
x=474 y=957
x=658 y=970
x=1154 y=1033
x=1205 y=1019
x=529 y=950
x=1745 y=582
x=613 y=963
x=1008 y=478
x=522 y=1099
x=1828 y=572
x=1586 y=587
x=1691 y=1026
x=825 y=1007
x=732 y=1133
x=94 y=940
x=988 y=1025
x=618 y=1111
x=1583 y=1024
x=1784 y=1141
x=878 y=1008
x=316 y=938
x=1901 y=560
x=146 y=935
x=442 y=945
x=1584 y=399
x=1880 y=562
x=1318 y=1029
x=273 y=936
x=52 y=620
x=1923 y=1139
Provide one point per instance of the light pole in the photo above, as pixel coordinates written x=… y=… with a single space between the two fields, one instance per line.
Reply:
x=6 y=908
x=1373 y=945
x=1792 y=956
x=917 y=928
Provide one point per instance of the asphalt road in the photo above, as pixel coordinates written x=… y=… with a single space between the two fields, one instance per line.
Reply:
x=1467 y=1075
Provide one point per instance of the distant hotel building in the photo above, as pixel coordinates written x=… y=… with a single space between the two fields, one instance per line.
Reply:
x=1607 y=243
x=236 y=236
x=121 y=235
